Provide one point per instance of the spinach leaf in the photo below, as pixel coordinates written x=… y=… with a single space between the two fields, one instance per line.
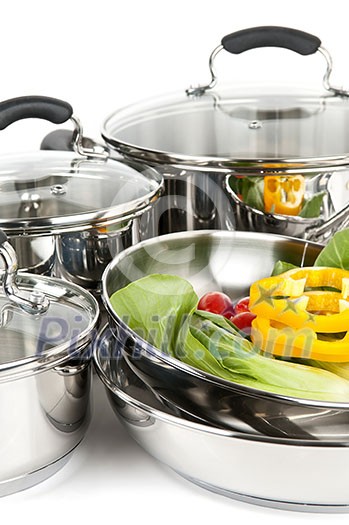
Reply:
x=336 y=253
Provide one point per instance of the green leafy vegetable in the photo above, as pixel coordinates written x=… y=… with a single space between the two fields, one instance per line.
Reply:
x=340 y=369
x=143 y=303
x=311 y=207
x=251 y=189
x=282 y=267
x=336 y=253
x=162 y=310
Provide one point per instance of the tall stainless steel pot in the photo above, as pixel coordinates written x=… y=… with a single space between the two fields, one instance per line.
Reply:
x=46 y=328
x=198 y=137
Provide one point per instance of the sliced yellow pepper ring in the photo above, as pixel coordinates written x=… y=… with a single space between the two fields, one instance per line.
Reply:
x=303 y=343
x=287 y=322
x=284 y=195
x=325 y=302
x=283 y=299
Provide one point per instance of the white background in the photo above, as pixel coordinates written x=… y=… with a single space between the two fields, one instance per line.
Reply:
x=100 y=56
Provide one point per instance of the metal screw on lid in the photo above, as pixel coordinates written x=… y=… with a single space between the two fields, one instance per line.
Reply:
x=58 y=189
x=255 y=124
x=37 y=298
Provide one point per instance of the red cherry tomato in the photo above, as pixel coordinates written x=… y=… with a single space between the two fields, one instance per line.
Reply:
x=217 y=303
x=243 y=321
x=242 y=305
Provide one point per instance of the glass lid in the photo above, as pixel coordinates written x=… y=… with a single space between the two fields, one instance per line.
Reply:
x=235 y=128
x=24 y=335
x=31 y=342
x=50 y=189
x=43 y=321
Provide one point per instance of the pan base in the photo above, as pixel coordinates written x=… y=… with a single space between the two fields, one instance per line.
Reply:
x=30 y=479
x=282 y=505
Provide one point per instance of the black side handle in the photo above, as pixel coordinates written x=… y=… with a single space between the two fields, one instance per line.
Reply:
x=3 y=237
x=47 y=108
x=271 y=36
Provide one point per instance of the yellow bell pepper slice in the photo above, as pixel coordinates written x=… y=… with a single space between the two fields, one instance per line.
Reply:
x=284 y=300
x=292 y=321
x=284 y=194
x=285 y=341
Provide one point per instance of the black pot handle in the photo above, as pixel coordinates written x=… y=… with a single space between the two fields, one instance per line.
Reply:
x=47 y=108
x=271 y=36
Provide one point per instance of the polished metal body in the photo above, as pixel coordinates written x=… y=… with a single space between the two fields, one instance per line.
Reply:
x=284 y=473
x=230 y=262
x=44 y=417
x=46 y=328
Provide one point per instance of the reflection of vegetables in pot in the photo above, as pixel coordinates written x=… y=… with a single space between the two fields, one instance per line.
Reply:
x=283 y=195
x=162 y=310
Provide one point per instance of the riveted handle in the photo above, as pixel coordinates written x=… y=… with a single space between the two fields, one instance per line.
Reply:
x=271 y=36
x=46 y=108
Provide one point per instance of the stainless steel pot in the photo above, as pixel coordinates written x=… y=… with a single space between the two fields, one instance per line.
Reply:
x=46 y=328
x=289 y=474
x=70 y=212
x=230 y=262
x=197 y=137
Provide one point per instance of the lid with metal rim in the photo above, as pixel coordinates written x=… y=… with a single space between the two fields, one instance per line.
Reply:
x=252 y=129
x=49 y=191
x=44 y=322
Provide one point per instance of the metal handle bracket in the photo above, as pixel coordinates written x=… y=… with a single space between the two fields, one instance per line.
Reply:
x=36 y=302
